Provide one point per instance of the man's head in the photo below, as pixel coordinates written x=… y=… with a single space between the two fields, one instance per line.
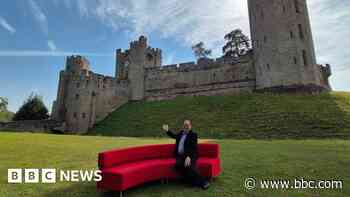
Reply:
x=187 y=125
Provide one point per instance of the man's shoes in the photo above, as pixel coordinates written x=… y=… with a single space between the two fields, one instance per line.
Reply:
x=206 y=185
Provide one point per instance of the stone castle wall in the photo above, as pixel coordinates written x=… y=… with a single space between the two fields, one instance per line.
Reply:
x=30 y=125
x=207 y=77
x=284 y=53
x=282 y=58
x=85 y=98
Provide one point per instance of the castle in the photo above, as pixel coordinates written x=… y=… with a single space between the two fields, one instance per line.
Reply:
x=282 y=59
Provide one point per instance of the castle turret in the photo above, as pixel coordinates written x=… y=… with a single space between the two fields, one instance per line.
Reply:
x=77 y=64
x=131 y=65
x=284 y=52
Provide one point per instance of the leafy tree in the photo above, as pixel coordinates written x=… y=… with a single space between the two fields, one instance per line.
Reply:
x=32 y=109
x=237 y=44
x=200 y=51
x=3 y=104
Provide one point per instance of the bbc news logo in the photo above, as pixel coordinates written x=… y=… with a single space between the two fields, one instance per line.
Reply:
x=52 y=175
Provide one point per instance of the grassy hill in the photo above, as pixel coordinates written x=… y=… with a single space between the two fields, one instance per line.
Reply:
x=275 y=159
x=6 y=116
x=243 y=116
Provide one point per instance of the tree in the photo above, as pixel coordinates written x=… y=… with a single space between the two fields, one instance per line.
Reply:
x=32 y=109
x=237 y=44
x=200 y=51
x=3 y=104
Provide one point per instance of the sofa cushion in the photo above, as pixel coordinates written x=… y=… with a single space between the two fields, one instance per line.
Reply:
x=132 y=174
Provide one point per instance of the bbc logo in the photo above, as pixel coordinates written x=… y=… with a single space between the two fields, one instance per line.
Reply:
x=31 y=175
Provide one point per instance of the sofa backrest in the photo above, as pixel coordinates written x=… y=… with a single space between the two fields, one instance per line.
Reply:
x=209 y=150
x=116 y=157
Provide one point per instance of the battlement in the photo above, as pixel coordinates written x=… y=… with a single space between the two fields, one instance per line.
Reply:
x=141 y=42
x=326 y=70
x=201 y=64
x=77 y=63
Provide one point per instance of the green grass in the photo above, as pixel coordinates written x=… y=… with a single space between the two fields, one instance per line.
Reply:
x=243 y=116
x=262 y=159
x=6 y=116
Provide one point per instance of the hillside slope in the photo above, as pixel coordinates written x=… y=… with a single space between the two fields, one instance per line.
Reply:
x=243 y=116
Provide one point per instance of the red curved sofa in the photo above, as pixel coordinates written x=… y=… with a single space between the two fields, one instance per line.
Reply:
x=129 y=167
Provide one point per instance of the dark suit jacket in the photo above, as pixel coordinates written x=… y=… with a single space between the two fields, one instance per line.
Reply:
x=190 y=145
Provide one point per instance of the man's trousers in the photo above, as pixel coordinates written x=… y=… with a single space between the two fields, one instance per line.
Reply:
x=189 y=173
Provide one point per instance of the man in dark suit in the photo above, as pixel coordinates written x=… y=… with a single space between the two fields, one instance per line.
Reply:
x=186 y=154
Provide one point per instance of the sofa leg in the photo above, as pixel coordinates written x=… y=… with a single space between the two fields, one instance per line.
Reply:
x=120 y=193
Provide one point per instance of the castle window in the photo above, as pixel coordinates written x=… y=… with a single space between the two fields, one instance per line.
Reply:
x=301 y=33
x=295 y=60
x=75 y=115
x=291 y=34
x=296 y=5
x=77 y=96
x=78 y=85
x=265 y=39
x=83 y=115
x=284 y=8
x=93 y=94
x=149 y=57
x=305 y=58
x=268 y=67
x=257 y=44
x=262 y=13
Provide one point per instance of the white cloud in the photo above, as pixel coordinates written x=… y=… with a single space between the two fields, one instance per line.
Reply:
x=186 y=21
x=39 y=15
x=30 y=53
x=82 y=7
x=7 y=26
x=190 y=21
x=330 y=20
x=51 y=44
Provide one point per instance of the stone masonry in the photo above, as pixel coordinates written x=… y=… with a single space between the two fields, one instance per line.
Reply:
x=282 y=60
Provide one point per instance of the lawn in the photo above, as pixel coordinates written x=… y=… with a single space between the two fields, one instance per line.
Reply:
x=259 y=116
x=263 y=159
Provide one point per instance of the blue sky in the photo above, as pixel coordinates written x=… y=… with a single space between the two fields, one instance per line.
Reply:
x=36 y=35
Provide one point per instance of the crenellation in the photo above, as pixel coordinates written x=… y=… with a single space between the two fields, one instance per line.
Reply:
x=282 y=58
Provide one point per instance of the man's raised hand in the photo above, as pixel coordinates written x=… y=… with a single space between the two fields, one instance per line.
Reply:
x=166 y=127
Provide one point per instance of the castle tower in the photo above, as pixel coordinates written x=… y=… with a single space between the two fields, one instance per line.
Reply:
x=73 y=103
x=131 y=65
x=283 y=46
